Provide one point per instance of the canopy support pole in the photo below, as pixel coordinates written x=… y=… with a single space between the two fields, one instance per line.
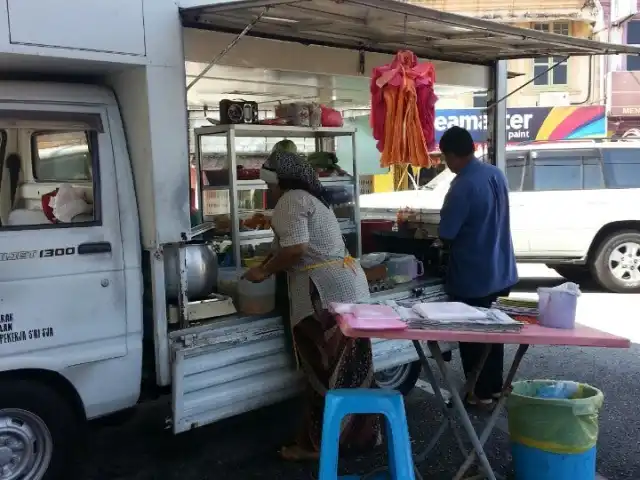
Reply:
x=497 y=115
x=226 y=49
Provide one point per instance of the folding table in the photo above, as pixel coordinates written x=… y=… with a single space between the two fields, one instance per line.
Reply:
x=529 y=335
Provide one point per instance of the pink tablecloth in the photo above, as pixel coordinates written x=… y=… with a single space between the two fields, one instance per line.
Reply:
x=530 y=335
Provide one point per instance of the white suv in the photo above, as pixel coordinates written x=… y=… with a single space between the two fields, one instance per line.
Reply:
x=575 y=206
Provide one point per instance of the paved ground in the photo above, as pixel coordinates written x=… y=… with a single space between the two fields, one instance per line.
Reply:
x=244 y=448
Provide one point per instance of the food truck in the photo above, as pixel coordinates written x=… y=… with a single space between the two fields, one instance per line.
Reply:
x=109 y=297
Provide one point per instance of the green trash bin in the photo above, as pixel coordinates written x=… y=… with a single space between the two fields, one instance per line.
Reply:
x=553 y=438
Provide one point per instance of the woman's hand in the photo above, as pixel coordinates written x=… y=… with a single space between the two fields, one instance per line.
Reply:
x=256 y=274
x=267 y=259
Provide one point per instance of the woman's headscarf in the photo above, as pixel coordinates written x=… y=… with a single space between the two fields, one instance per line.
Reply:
x=290 y=166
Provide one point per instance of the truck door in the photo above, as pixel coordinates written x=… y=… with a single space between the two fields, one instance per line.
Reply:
x=62 y=288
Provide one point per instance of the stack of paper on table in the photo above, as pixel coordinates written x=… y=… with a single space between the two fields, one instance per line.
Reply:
x=517 y=306
x=459 y=316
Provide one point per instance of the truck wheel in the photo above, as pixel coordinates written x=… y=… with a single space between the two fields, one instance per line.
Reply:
x=573 y=273
x=38 y=428
x=617 y=262
x=402 y=378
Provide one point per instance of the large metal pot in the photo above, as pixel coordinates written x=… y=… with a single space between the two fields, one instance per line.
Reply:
x=202 y=270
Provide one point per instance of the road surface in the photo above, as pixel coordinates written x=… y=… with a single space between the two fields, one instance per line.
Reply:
x=245 y=448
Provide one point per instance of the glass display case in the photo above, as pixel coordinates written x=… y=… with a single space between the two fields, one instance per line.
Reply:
x=239 y=204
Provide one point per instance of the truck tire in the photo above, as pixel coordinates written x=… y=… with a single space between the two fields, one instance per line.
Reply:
x=617 y=262
x=573 y=273
x=401 y=378
x=38 y=429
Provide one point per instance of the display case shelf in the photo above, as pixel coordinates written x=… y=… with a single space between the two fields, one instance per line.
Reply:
x=275 y=131
x=256 y=235
x=347 y=228
x=237 y=201
x=261 y=185
x=344 y=180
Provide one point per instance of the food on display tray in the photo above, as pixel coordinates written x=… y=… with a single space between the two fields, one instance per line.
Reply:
x=258 y=221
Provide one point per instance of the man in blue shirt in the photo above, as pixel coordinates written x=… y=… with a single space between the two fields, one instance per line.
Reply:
x=474 y=225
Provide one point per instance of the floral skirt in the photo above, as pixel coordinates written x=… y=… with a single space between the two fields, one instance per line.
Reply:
x=331 y=360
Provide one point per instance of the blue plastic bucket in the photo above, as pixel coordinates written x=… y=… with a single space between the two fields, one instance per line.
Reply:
x=534 y=464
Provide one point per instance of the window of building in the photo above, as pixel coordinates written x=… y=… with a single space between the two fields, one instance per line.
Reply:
x=622 y=168
x=558 y=75
x=480 y=100
x=633 y=38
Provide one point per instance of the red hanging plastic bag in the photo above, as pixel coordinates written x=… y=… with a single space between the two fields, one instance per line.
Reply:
x=331 y=117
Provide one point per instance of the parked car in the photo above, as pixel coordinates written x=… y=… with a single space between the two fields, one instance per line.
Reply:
x=574 y=207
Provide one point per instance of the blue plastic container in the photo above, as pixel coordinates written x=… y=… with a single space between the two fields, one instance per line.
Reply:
x=535 y=464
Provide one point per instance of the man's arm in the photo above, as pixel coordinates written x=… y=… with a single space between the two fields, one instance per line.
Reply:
x=454 y=212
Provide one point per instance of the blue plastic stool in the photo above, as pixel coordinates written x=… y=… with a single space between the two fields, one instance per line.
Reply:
x=363 y=401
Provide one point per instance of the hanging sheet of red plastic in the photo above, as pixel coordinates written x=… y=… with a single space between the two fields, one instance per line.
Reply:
x=403 y=114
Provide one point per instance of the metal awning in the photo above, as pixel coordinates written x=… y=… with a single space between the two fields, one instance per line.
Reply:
x=386 y=26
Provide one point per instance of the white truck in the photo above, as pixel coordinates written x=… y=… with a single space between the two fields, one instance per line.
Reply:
x=93 y=96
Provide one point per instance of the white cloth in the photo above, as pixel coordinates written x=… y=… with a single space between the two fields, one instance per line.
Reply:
x=27 y=217
x=68 y=203
x=299 y=218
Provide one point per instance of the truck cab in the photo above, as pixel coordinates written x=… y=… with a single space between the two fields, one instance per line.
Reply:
x=71 y=284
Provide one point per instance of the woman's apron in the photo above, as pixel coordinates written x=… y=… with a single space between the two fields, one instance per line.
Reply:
x=283 y=298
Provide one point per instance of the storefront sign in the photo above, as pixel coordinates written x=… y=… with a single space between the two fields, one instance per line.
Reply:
x=625 y=94
x=529 y=124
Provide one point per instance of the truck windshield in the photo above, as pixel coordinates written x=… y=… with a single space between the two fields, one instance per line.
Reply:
x=443 y=178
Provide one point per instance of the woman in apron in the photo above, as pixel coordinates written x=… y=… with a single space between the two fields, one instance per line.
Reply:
x=311 y=249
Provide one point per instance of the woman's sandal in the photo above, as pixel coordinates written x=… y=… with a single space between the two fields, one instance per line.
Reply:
x=295 y=453
x=483 y=404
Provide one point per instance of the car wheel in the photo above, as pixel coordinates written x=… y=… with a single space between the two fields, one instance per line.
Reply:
x=402 y=378
x=38 y=429
x=617 y=262
x=573 y=273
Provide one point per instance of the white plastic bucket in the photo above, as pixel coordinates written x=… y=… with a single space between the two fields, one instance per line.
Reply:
x=257 y=298
x=557 y=308
x=228 y=278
